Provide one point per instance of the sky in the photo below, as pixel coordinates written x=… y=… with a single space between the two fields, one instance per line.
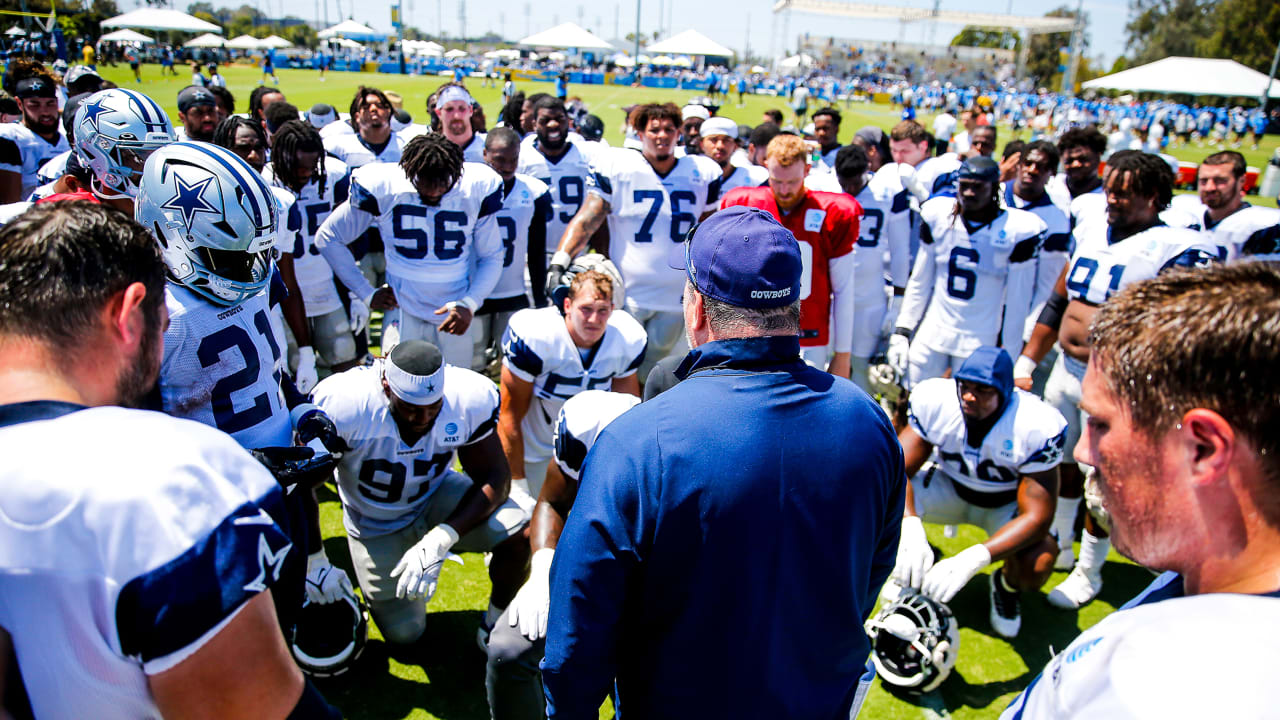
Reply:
x=730 y=22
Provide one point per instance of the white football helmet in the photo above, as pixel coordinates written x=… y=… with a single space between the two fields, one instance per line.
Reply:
x=914 y=641
x=114 y=132
x=583 y=263
x=214 y=217
x=328 y=638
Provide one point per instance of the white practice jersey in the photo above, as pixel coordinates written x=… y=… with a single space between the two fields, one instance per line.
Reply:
x=1158 y=661
x=972 y=286
x=648 y=213
x=889 y=185
x=566 y=180
x=334 y=129
x=383 y=482
x=1100 y=267
x=1054 y=253
x=473 y=151
x=1251 y=230
x=746 y=176
x=125 y=555
x=24 y=152
x=351 y=149
x=1028 y=438
x=1088 y=208
x=537 y=348
x=288 y=219
x=581 y=421
x=430 y=249
x=524 y=213
x=314 y=203
x=53 y=169
x=222 y=367
x=938 y=175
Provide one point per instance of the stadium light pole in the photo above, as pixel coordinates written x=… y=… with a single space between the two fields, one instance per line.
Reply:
x=637 y=53
x=1266 y=90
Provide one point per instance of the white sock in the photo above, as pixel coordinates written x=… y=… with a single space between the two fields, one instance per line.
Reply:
x=1064 y=521
x=491 y=615
x=1093 y=553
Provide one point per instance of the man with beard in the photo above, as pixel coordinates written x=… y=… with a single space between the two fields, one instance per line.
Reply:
x=1234 y=224
x=198 y=111
x=993 y=453
x=563 y=164
x=719 y=142
x=26 y=146
x=178 y=620
x=651 y=200
x=1181 y=395
x=444 y=251
x=453 y=105
x=1132 y=245
x=826 y=225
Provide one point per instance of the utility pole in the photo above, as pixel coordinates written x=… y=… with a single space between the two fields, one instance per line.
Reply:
x=746 y=41
x=528 y=28
x=1073 y=63
x=1266 y=91
x=462 y=19
x=636 y=56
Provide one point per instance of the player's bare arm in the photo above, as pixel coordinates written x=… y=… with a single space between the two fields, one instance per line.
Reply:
x=585 y=223
x=486 y=465
x=516 y=394
x=915 y=451
x=629 y=384
x=457 y=318
x=10 y=187
x=554 y=502
x=1037 y=498
x=295 y=309
x=1044 y=335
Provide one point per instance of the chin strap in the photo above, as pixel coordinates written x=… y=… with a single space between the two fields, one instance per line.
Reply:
x=95 y=186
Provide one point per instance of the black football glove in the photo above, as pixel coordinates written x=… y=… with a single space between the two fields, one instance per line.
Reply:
x=555 y=273
x=296 y=465
x=313 y=424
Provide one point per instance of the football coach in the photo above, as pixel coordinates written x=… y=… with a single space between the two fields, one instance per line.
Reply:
x=730 y=536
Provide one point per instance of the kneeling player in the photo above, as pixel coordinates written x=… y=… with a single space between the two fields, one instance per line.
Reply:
x=403 y=506
x=994 y=453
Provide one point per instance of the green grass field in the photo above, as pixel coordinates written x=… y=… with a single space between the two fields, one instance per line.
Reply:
x=443 y=675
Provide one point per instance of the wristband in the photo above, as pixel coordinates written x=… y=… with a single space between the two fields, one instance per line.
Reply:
x=1023 y=367
x=903 y=332
x=561 y=258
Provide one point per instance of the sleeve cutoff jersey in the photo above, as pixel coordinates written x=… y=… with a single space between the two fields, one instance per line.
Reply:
x=537 y=348
x=826 y=225
x=648 y=213
x=1028 y=438
x=314 y=203
x=581 y=419
x=222 y=367
x=1054 y=253
x=122 y=558
x=429 y=248
x=527 y=203
x=1100 y=268
x=385 y=483
x=24 y=152
x=566 y=180
x=882 y=233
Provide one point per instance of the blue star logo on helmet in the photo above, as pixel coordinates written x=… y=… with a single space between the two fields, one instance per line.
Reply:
x=189 y=199
x=93 y=110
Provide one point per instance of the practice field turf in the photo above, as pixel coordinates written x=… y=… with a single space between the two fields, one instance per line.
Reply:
x=443 y=675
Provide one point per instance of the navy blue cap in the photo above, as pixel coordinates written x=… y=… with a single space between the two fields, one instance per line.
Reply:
x=744 y=257
x=979 y=167
x=35 y=87
x=990 y=366
x=193 y=96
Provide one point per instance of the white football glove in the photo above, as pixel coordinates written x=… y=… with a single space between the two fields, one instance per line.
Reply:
x=359 y=315
x=899 y=349
x=306 y=377
x=891 y=316
x=532 y=603
x=949 y=575
x=420 y=567
x=914 y=554
x=325 y=583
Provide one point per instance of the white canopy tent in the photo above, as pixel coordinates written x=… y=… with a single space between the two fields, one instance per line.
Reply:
x=566 y=35
x=689 y=42
x=503 y=54
x=15 y=31
x=455 y=54
x=274 y=41
x=795 y=64
x=160 y=19
x=207 y=40
x=351 y=30
x=1191 y=76
x=349 y=44
x=244 y=42
x=126 y=35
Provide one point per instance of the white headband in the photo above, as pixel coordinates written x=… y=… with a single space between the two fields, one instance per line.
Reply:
x=451 y=93
x=414 y=389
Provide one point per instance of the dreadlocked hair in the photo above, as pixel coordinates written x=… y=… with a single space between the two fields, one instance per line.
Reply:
x=225 y=134
x=288 y=139
x=432 y=157
x=1149 y=175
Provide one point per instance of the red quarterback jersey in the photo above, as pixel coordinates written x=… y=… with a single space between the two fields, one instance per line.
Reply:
x=826 y=224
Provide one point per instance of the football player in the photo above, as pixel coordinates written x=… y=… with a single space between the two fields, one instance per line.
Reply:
x=993 y=453
x=1036 y=165
x=453 y=107
x=826 y=224
x=910 y=144
x=404 y=507
x=137 y=571
x=198 y=111
x=438 y=218
x=826 y=131
x=1133 y=245
x=526 y=210
x=27 y=145
x=512 y=680
x=720 y=142
x=1081 y=151
x=973 y=280
x=373 y=140
x=1232 y=223
x=551 y=354
x=651 y=199
x=319 y=184
x=216 y=222
x=551 y=155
